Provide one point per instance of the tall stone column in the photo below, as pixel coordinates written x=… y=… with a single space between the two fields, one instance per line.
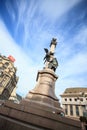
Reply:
x=80 y=111
x=53 y=45
x=68 y=110
x=43 y=95
x=74 y=110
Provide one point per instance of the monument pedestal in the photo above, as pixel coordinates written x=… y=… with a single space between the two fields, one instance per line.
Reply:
x=43 y=95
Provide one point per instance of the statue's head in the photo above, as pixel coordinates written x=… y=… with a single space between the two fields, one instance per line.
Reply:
x=53 y=41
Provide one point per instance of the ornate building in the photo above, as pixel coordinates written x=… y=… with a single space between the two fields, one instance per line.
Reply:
x=74 y=101
x=8 y=78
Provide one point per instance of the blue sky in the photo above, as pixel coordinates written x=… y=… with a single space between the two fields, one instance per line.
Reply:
x=27 y=27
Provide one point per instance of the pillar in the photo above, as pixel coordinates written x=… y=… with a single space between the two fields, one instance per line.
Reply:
x=74 y=110
x=68 y=111
x=80 y=111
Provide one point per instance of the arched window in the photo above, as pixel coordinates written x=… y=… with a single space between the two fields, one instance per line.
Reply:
x=6 y=64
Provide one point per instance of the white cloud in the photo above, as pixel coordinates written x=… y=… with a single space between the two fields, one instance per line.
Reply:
x=76 y=65
x=26 y=13
x=56 y=8
x=30 y=13
x=81 y=37
x=26 y=69
x=10 y=10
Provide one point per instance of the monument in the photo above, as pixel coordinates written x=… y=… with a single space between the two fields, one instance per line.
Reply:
x=40 y=109
x=44 y=92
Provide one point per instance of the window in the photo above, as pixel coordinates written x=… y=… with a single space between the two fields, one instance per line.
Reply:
x=70 y=99
x=81 y=99
x=65 y=99
x=0 y=59
x=5 y=95
x=77 y=110
x=83 y=107
x=1 y=68
x=1 y=73
x=66 y=110
x=75 y=99
x=71 y=110
x=6 y=64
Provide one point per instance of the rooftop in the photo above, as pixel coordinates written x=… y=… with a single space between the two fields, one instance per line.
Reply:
x=75 y=90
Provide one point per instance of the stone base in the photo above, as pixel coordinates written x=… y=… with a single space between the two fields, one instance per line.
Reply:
x=44 y=91
x=43 y=106
x=22 y=117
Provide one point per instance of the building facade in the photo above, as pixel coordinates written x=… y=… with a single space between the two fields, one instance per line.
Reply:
x=8 y=78
x=74 y=101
